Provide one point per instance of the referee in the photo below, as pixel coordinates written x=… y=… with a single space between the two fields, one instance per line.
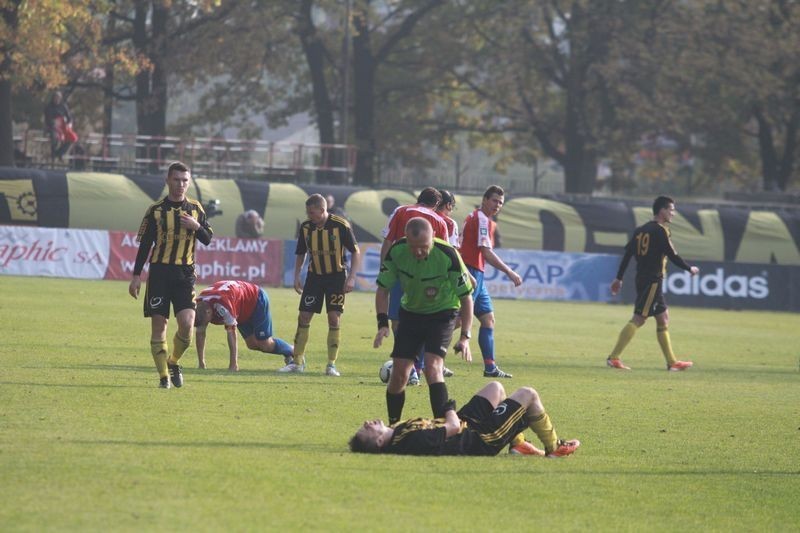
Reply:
x=168 y=235
x=435 y=285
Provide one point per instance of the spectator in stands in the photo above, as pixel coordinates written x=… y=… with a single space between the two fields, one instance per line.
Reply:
x=249 y=225
x=335 y=210
x=21 y=159
x=58 y=124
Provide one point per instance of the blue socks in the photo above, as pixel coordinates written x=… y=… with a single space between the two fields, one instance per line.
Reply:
x=282 y=347
x=486 y=342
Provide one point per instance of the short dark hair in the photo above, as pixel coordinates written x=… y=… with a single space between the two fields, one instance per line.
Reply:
x=177 y=166
x=316 y=200
x=417 y=226
x=447 y=197
x=360 y=445
x=429 y=197
x=493 y=189
x=661 y=202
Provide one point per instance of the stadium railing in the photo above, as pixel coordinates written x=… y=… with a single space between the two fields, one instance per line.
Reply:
x=207 y=156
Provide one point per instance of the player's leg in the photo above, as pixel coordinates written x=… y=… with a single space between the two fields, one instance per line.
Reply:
x=662 y=333
x=257 y=332
x=334 y=305
x=158 y=348
x=407 y=342
x=539 y=422
x=311 y=301
x=438 y=333
x=181 y=293
x=157 y=307
x=645 y=298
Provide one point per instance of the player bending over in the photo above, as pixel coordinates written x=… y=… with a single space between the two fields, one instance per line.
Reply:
x=243 y=306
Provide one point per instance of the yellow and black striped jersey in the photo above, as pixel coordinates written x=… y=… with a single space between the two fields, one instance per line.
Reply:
x=326 y=245
x=651 y=246
x=162 y=232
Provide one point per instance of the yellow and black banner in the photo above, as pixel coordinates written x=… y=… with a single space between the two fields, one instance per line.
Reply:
x=717 y=233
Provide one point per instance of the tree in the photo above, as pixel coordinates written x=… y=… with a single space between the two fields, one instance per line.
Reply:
x=42 y=45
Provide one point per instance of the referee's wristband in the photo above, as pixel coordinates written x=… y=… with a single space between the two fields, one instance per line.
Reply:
x=383 y=320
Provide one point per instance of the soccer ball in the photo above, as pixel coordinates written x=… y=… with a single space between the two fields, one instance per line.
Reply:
x=386 y=371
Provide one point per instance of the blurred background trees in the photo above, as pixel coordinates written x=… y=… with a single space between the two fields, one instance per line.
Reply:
x=611 y=95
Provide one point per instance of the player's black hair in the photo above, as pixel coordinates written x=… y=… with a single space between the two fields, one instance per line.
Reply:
x=447 y=198
x=493 y=189
x=178 y=166
x=429 y=197
x=359 y=445
x=661 y=202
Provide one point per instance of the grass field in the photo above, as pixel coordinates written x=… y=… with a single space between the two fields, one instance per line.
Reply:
x=87 y=441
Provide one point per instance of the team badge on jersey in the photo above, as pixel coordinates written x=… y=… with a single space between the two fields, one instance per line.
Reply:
x=431 y=292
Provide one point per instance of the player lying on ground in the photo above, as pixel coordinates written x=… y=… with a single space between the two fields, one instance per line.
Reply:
x=238 y=305
x=484 y=426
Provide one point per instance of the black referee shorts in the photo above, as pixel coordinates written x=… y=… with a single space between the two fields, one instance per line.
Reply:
x=414 y=331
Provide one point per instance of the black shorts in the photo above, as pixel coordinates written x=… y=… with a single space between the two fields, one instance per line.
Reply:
x=169 y=284
x=490 y=429
x=329 y=287
x=649 y=298
x=414 y=331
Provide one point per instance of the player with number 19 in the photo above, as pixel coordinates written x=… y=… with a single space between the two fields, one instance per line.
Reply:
x=651 y=246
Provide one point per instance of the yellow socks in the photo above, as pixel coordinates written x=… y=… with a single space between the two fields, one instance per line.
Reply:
x=625 y=337
x=158 y=348
x=666 y=344
x=179 y=346
x=300 y=341
x=518 y=439
x=543 y=428
x=333 y=345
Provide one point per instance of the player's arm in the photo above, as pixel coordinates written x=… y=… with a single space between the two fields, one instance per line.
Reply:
x=298 y=264
x=673 y=256
x=452 y=424
x=200 y=344
x=462 y=346
x=616 y=285
x=233 y=348
x=146 y=237
x=355 y=259
x=355 y=264
x=494 y=260
x=204 y=231
x=381 y=310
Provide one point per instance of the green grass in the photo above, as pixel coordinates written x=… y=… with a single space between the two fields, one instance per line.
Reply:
x=87 y=441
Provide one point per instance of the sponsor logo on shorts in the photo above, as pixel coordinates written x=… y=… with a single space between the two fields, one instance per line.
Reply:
x=156 y=301
x=309 y=300
x=500 y=409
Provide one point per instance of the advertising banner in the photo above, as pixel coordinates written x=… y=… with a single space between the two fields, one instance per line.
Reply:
x=727 y=286
x=53 y=252
x=714 y=232
x=553 y=276
x=545 y=275
x=256 y=260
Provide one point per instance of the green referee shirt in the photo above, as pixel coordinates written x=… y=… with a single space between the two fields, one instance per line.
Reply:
x=434 y=284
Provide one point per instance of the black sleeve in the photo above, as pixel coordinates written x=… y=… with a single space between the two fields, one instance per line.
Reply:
x=204 y=232
x=147 y=237
x=673 y=256
x=623 y=264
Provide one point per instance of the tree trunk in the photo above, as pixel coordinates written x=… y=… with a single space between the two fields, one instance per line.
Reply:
x=314 y=51
x=363 y=102
x=151 y=86
x=10 y=14
x=6 y=127
x=766 y=148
